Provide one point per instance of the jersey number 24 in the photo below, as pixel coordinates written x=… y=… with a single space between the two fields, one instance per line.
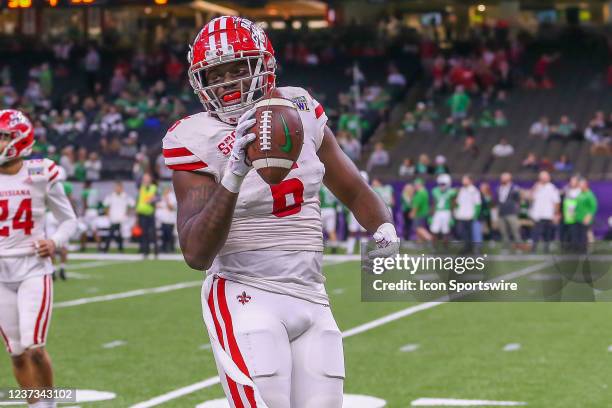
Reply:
x=21 y=220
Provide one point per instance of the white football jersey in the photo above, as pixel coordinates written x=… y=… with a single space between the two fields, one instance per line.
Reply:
x=23 y=203
x=284 y=217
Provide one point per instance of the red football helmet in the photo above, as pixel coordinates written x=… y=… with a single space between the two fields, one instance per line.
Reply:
x=15 y=126
x=229 y=39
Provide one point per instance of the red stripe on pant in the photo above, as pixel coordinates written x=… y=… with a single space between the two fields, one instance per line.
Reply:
x=231 y=340
x=233 y=387
x=6 y=341
x=43 y=334
x=41 y=310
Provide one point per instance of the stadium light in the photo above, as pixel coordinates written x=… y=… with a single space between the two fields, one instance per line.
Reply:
x=482 y=8
x=160 y=2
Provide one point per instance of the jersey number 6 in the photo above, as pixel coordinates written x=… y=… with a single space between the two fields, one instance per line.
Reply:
x=294 y=190
x=24 y=211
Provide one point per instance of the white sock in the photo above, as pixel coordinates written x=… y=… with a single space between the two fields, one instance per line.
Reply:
x=350 y=245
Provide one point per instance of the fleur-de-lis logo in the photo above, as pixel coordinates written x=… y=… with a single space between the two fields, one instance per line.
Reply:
x=243 y=298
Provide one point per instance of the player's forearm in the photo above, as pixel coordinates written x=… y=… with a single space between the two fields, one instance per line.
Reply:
x=62 y=210
x=369 y=210
x=64 y=231
x=202 y=233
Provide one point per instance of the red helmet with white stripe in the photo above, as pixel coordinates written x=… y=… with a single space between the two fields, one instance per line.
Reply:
x=232 y=39
x=18 y=129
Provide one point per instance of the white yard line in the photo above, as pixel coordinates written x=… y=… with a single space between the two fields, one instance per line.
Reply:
x=114 y=344
x=178 y=393
x=124 y=295
x=453 y=402
x=94 y=264
x=348 y=333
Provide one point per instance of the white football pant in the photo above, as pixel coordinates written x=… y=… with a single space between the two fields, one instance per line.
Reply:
x=25 y=313
x=273 y=350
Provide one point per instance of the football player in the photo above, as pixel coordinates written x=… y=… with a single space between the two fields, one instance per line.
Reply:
x=27 y=189
x=274 y=338
x=443 y=197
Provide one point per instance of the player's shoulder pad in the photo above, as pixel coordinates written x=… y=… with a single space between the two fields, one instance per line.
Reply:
x=303 y=101
x=183 y=147
x=43 y=170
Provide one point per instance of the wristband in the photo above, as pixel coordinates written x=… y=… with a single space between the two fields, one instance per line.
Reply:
x=232 y=182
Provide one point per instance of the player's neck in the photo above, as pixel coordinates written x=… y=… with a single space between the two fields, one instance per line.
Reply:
x=12 y=167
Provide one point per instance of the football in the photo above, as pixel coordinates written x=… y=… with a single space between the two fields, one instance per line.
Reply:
x=279 y=140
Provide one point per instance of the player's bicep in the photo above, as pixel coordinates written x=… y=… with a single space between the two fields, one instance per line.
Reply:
x=341 y=175
x=193 y=191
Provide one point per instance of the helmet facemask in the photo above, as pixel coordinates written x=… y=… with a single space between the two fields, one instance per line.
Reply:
x=253 y=87
x=10 y=151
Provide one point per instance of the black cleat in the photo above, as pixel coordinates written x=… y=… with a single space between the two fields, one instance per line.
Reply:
x=62 y=274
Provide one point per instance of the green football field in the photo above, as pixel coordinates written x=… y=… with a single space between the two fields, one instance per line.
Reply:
x=147 y=340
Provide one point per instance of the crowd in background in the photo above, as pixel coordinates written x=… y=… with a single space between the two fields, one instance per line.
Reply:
x=522 y=219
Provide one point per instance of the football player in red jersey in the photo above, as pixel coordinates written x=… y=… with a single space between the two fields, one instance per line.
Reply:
x=27 y=189
x=274 y=338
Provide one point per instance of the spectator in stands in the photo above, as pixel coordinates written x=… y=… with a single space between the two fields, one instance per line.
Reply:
x=385 y=192
x=540 y=128
x=129 y=145
x=349 y=145
x=502 y=149
x=466 y=211
x=117 y=83
x=80 y=173
x=499 y=119
x=166 y=216
x=596 y=130
x=92 y=66
x=563 y=164
x=395 y=78
x=407 y=168
x=425 y=116
x=145 y=210
x=459 y=103
x=531 y=162
x=67 y=161
x=508 y=207
x=409 y=124
x=564 y=129
x=353 y=123
x=379 y=157
x=93 y=167
x=470 y=147
x=486 y=119
x=163 y=172
x=440 y=166
x=544 y=211
x=141 y=166
x=541 y=68
x=117 y=205
x=423 y=165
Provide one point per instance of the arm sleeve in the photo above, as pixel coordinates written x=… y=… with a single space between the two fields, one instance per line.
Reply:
x=60 y=206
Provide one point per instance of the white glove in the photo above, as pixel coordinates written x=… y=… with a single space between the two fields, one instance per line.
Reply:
x=387 y=242
x=238 y=164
